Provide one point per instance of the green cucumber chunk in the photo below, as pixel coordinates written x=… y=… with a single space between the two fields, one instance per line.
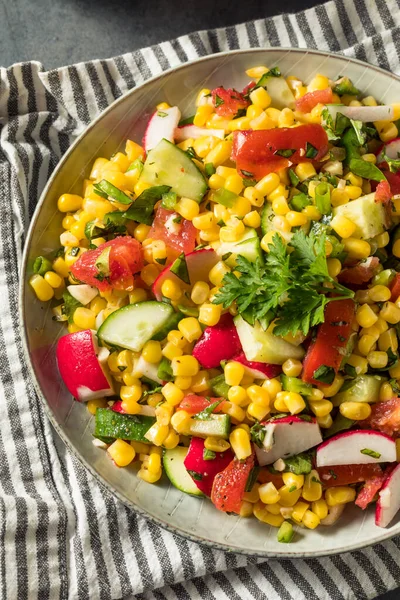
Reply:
x=216 y=425
x=248 y=245
x=169 y=325
x=166 y=164
x=173 y=462
x=164 y=371
x=364 y=388
x=293 y=384
x=110 y=424
x=219 y=387
x=368 y=216
x=133 y=325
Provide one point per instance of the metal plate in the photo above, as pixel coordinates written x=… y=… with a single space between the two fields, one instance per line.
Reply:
x=194 y=518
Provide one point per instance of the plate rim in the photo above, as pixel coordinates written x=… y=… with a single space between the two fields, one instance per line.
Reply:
x=386 y=534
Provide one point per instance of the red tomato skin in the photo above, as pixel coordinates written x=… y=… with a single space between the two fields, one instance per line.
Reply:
x=233 y=101
x=383 y=192
x=230 y=485
x=385 y=417
x=265 y=476
x=395 y=288
x=369 y=490
x=347 y=474
x=330 y=338
x=360 y=273
x=306 y=103
x=184 y=241
x=254 y=151
x=126 y=259
x=194 y=404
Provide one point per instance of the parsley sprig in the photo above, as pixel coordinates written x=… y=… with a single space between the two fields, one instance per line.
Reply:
x=289 y=287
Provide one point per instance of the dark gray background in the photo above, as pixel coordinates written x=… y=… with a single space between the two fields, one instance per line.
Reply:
x=61 y=32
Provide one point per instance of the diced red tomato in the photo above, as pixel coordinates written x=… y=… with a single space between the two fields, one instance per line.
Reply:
x=194 y=404
x=125 y=259
x=306 y=103
x=183 y=241
x=230 y=485
x=265 y=476
x=360 y=273
x=347 y=474
x=395 y=288
x=255 y=152
x=369 y=490
x=247 y=88
x=383 y=192
x=228 y=102
x=385 y=417
x=332 y=336
x=117 y=407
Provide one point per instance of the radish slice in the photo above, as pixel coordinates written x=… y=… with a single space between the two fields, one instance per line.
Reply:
x=286 y=437
x=79 y=366
x=388 y=502
x=192 y=131
x=84 y=293
x=162 y=125
x=206 y=470
x=356 y=448
x=218 y=342
x=391 y=149
x=199 y=263
x=258 y=370
x=366 y=114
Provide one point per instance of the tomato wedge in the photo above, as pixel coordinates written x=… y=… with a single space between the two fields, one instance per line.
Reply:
x=265 y=476
x=181 y=240
x=360 y=273
x=371 y=487
x=306 y=103
x=194 y=404
x=255 y=152
x=228 y=102
x=385 y=417
x=332 y=336
x=395 y=288
x=124 y=260
x=383 y=192
x=347 y=474
x=230 y=485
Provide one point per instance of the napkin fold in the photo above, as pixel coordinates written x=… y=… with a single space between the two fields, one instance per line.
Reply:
x=61 y=534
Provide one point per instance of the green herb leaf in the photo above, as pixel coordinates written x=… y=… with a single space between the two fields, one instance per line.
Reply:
x=274 y=72
x=208 y=454
x=294 y=180
x=105 y=189
x=365 y=169
x=179 y=268
x=252 y=478
x=300 y=201
x=393 y=163
x=350 y=370
x=164 y=371
x=142 y=208
x=311 y=151
x=169 y=200
x=247 y=173
x=301 y=464
x=136 y=165
x=191 y=152
x=205 y=415
x=257 y=433
x=186 y=121
x=70 y=306
x=194 y=475
x=370 y=452
x=218 y=101
x=285 y=153
x=209 y=169
x=324 y=374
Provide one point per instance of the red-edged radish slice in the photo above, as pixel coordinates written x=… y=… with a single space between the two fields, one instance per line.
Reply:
x=286 y=437
x=162 y=125
x=78 y=358
x=199 y=263
x=187 y=132
x=366 y=114
x=206 y=470
x=219 y=342
x=388 y=502
x=83 y=292
x=391 y=149
x=358 y=447
x=258 y=370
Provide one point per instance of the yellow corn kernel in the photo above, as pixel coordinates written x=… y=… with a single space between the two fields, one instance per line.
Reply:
x=325 y=422
x=240 y=443
x=377 y=359
x=176 y=338
x=288 y=495
x=339 y=197
x=172 y=440
x=241 y=207
x=124 y=360
x=310 y=520
x=234 y=183
x=262 y=121
x=312 y=488
x=320 y=508
x=190 y=329
x=390 y=313
x=84 y=318
x=260 y=97
x=72 y=328
x=141 y=232
x=343 y=226
x=379 y=293
x=366 y=343
x=280 y=403
x=292 y=367
x=321 y=408
x=354 y=179
x=268 y=184
x=240 y=123
x=200 y=382
x=291 y=479
x=257 y=411
x=353 y=191
x=69 y=203
x=93 y=405
x=312 y=213
x=295 y=403
x=252 y=219
x=268 y=493
x=186 y=366
x=210 y=235
x=339 y=495
x=183 y=383
x=387 y=131
x=386 y=392
x=149 y=274
x=280 y=206
x=154 y=463
x=238 y=395
x=172 y=394
x=254 y=111
x=68 y=221
x=200 y=292
x=180 y=421
x=305 y=170
x=299 y=510
x=60 y=267
x=204 y=220
x=97 y=168
x=170 y=289
x=219 y=154
x=218 y=272
x=316 y=394
x=203 y=113
x=138 y=295
x=140 y=447
x=133 y=150
x=395 y=372
x=246 y=509
x=187 y=208
x=53 y=279
x=131 y=406
x=258 y=395
x=216 y=181
x=365 y=316
x=319 y=82
x=253 y=496
x=130 y=392
x=396 y=248
x=203 y=145
x=254 y=196
x=152 y=352
x=209 y=314
x=273 y=387
x=264 y=514
x=147 y=476
x=388 y=339
x=121 y=452
x=279 y=192
x=296 y=219
x=286 y=118
x=357 y=411
x=359 y=363
x=171 y=351
x=357 y=249
x=216 y=444
x=157 y=434
x=236 y=413
x=233 y=372
x=97 y=305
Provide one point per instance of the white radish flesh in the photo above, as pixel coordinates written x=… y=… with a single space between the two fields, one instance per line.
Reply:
x=366 y=114
x=388 y=503
x=83 y=293
x=162 y=125
x=356 y=448
x=187 y=132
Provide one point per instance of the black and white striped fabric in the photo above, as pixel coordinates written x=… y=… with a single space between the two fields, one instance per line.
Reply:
x=62 y=535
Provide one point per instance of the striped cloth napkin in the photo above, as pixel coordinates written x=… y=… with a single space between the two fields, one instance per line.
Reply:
x=62 y=535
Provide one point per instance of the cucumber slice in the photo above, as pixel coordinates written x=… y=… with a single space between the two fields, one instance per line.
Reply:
x=364 y=388
x=264 y=346
x=110 y=424
x=166 y=164
x=293 y=384
x=218 y=425
x=177 y=472
x=172 y=323
x=219 y=387
x=133 y=325
x=248 y=246
x=368 y=216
